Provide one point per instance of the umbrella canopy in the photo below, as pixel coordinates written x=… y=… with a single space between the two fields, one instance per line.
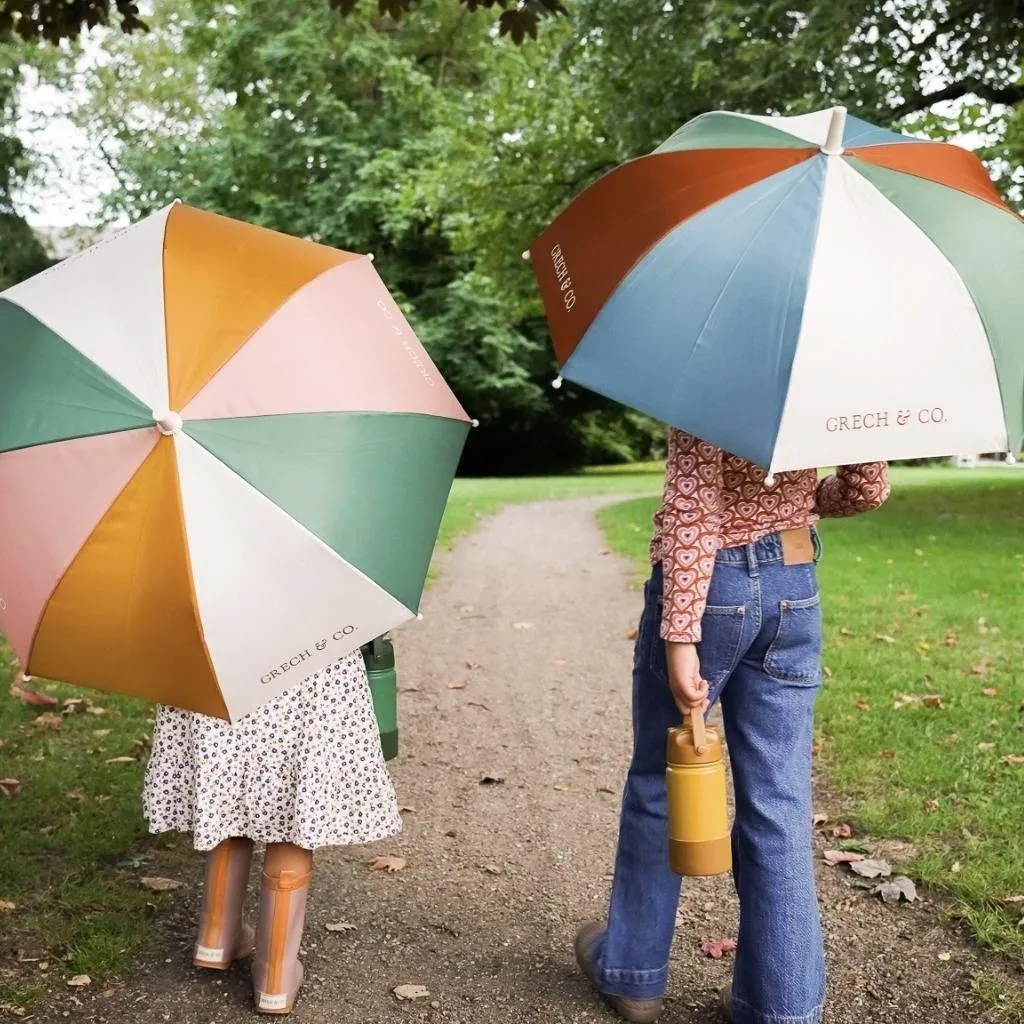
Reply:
x=798 y=290
x=224 y=457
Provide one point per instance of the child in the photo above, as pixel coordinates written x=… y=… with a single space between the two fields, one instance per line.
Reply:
x=304 y=771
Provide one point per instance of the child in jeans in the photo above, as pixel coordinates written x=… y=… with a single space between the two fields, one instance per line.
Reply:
x=732 y=611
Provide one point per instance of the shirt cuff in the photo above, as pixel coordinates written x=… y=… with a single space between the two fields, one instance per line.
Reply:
x=680 y=636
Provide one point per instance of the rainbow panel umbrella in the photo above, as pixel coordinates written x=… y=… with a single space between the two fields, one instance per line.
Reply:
x=798 y=290
x=224 y=457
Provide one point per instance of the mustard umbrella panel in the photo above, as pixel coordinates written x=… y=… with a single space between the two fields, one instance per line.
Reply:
x=224 y=457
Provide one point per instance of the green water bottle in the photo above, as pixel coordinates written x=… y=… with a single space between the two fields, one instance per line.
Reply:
x=379 y=657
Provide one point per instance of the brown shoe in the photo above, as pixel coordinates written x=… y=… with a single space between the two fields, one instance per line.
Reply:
x=638 y=1011
x=725 y=1001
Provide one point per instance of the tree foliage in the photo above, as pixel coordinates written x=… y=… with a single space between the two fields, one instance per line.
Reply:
x=445 y=149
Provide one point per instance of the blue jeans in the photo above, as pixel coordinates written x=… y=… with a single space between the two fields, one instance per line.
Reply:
x=761 y=653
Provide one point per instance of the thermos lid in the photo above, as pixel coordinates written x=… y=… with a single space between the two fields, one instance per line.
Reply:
x=681 y=751
x=379 y=655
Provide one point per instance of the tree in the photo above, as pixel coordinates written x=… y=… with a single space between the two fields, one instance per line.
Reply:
x=21 y=253
x=446 y=150
x=53 y=20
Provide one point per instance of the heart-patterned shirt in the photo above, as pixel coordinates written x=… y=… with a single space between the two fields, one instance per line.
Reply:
x=715 y=500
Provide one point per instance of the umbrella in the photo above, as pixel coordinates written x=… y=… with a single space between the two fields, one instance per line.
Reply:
x=224 y=457
x=798 y=290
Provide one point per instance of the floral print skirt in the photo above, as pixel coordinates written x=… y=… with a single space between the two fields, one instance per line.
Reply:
x=306 y=768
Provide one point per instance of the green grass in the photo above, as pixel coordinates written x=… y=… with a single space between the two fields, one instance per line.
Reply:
x=925 y=598
x=74 y=844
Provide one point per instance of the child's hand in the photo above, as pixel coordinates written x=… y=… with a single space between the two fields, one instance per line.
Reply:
x=689 y=691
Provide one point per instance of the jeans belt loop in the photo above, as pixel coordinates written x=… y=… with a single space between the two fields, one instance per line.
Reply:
x=752 y=563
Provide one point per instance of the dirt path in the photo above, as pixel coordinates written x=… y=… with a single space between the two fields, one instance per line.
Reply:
x=533 y=620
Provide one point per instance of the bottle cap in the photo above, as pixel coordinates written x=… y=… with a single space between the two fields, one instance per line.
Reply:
x=681 y=751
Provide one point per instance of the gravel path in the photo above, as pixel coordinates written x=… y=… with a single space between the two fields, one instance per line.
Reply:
x=520 y=674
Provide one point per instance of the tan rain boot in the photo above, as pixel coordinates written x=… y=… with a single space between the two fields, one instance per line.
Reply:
x=276 y=971
x=222 y=935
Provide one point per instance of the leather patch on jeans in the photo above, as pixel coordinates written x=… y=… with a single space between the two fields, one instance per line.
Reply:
x=797 y=547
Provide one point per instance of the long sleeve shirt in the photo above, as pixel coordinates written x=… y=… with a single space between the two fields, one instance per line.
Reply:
x=715 y=500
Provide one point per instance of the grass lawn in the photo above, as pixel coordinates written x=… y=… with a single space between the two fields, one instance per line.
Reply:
x=922 y=713
x=74 y=846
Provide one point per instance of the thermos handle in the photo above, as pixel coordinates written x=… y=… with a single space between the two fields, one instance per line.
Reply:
x=700 y=739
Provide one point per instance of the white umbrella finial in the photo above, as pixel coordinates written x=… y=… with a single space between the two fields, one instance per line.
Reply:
x=836 y=127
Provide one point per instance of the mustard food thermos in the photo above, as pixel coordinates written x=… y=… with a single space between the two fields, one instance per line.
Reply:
x=698 y=815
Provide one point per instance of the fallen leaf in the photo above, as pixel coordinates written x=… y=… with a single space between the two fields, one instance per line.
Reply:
x=980 y=669
x=492 y=780
x=10 y=787
x=945 y=957
x=492 y=869
x=826 y=671
x=872 y=868
x=836 y=857
x=819 y=819
x=862 y=705
x=160 y=884
x=717 y=948
x=456 y=686
x=100 y=733
x=888 y=754
x=522 y=625
x=392 y=865
x=885 y=638
x=72 y=704
x=48 y=830
x=932 y=700
x=1012 y=900
x=404 y=992
x=951 y=639
x=986 y=747
x=80 y=981
x=842 y=832
x=32 y=697
x=990 y=691
x=75 y=795
x=7 y=907
x=956 y=868
x=340 y=926
x=846 y=632
x=48 y=720
x=95 y=709
x=121 y=760
x=931 y=805
x=562 y=789
x=903 y=700
x=631 y=634
x=1012 y=759
x=896 y=889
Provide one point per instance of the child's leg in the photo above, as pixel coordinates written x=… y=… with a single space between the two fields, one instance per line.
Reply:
x=276 y=971
x=222 y=935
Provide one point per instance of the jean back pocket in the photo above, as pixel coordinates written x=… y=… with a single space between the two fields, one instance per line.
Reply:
x=795 y=654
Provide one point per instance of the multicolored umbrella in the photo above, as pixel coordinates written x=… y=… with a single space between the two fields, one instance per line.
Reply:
x=224 y=457
x=798 y=290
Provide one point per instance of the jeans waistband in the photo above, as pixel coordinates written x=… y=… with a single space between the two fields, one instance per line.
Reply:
x=761 y=552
